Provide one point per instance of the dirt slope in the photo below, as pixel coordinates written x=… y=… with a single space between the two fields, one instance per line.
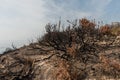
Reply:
x=37 y=62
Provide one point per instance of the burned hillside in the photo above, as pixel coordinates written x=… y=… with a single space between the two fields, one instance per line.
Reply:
x=79 y=51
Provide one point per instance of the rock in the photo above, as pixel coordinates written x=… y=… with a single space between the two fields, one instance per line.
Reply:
x=117 y=41
x=2 y=66
x=47 y=63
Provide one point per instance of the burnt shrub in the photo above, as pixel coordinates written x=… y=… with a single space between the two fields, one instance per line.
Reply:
x=77 y=38
x=105 y=30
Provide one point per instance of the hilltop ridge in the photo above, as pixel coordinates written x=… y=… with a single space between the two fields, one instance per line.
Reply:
x=79 y=52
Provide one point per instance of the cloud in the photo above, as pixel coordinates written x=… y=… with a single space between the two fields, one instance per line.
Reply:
x=75 y=8
x=99 y=7
x=66 y=9
x=22 y=20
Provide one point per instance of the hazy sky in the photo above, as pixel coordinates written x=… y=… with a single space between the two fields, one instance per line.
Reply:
x=24 y=20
